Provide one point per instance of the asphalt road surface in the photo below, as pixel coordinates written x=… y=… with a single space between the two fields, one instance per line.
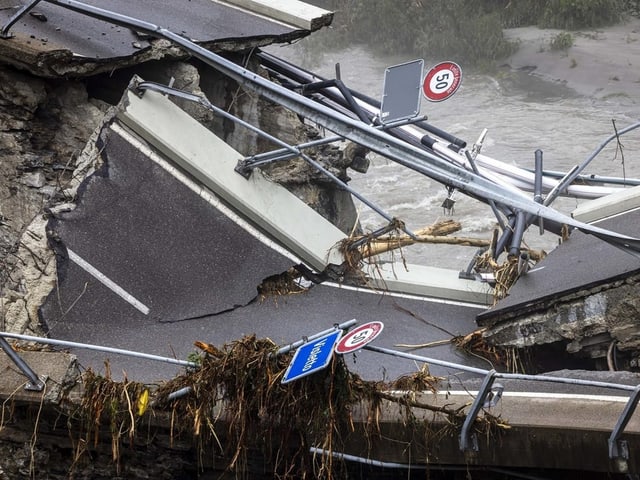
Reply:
x=147 y=264
x=581 y=262
x=61 y=39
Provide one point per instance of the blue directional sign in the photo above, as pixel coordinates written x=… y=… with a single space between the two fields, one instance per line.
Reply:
x=312 y=356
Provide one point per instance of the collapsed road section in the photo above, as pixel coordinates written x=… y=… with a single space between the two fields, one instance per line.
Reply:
x=50 y=41
x=171 y=241
x=197 y=247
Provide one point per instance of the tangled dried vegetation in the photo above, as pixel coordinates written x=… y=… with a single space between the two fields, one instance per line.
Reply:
x=506 y=273
x=238 y=410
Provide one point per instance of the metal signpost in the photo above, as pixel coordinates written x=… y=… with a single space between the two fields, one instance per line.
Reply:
x=312 y=356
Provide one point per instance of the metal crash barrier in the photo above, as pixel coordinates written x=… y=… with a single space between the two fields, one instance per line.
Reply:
x=37 y=383
x=488 y=395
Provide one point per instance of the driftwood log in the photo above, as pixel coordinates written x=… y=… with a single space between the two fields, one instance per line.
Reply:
x=436 y=233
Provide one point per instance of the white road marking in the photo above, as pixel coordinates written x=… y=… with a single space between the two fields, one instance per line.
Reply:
x=540 y=395
x=537 y=269
x=407 y=296
x=110 y=284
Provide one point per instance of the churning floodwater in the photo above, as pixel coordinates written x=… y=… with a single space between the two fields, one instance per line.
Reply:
x=521 y=112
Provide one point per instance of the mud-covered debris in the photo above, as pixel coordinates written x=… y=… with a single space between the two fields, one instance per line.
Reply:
x=506 y=274
x=475 y=343
x=237 y=406
x=286 y=283
x=120 y=405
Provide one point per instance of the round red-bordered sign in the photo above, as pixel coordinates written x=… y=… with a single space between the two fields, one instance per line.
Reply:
x=359 y=337
x=442 y=81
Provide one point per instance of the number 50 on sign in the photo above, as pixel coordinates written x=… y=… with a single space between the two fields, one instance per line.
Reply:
x=442 y=81
x=358 y=338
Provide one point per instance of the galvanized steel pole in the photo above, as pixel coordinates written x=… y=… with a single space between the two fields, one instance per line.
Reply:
x=34 y=381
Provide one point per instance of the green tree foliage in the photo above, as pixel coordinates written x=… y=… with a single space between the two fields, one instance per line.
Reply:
x=562 y=41
x=632 y=7
x=466 y=31
x=469 y=31
x=576 y=14
x=519 y=13
x=472 y=38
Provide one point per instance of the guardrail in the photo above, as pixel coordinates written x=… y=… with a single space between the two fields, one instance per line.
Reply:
x=617 y=447
x=405 y=154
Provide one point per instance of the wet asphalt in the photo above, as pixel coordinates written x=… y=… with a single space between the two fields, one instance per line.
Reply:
x=197 y=273
x=580 y=263
x=50 y=27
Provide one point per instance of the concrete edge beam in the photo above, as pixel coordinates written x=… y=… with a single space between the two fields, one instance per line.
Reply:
x=608 y=206
x=292 y=12
x=270 y=206
x=531 y=430
x=428 y=282
x=536 y=431
x=59 y=370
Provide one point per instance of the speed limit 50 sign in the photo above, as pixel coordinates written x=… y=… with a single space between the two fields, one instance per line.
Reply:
x=358 y=338
x=442 y=81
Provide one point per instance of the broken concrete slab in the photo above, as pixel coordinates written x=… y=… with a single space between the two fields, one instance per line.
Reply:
x=66 y=118
x=58 y=42
x=582 y=262
x=271 y=207
x=157 y=239
x=583 y=294
x=299 y=14
x=58 y=369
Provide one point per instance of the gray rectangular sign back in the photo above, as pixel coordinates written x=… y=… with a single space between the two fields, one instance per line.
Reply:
x=401 y=91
